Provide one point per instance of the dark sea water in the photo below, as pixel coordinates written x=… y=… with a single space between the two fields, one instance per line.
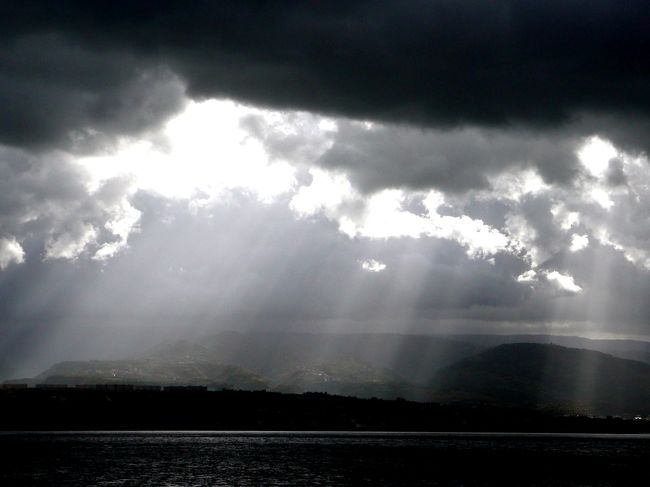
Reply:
x=242 y=459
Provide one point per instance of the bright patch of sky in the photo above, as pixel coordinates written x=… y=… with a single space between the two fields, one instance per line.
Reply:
x=564 y=282
x=10 y=252
x=578 y=242
x=595 y=156
x=200 y=154
x=528 y=276
x=372 y=265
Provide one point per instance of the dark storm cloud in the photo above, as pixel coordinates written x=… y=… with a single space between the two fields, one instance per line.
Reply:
x=446 y=63
x=59 y=93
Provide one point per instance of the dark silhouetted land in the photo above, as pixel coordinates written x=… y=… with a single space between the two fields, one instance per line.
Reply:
x=197 y=409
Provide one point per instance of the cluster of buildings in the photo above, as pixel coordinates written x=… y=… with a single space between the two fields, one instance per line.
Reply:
x=106 y=387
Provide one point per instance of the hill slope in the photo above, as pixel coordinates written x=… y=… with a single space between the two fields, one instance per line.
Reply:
x=363 y=365
x=548 y=376
x=151 y=371
x=415 y=358
x=389 y=366
x=629 y=349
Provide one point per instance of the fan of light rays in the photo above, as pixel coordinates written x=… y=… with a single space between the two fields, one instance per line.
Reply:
x=590 y=297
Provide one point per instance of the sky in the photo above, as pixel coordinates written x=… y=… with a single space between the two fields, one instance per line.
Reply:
x=410 y=167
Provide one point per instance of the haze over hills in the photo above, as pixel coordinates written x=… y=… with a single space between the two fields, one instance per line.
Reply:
x=363 y=365
x=412 y=357
x=630 y=349
x=549 y=376
x=151 y=370
x=445 y=369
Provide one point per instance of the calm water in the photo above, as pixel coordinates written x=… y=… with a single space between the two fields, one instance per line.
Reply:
x=241 y=459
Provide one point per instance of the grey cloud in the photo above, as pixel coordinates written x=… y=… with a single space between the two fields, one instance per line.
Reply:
x=445 y=63
x=46 y=198
x=59 y=93
x=615 y=173
x=255 y=266
x=379 y=156
x=453 y=161
x=30 y=189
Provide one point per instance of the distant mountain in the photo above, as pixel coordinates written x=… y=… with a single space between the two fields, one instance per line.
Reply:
x=350 y=377
x=6 y=369
x=414 y=358
x=152 y=371
x=548 y=376
x=363 y=365
x=629 y=349
x=498 y=369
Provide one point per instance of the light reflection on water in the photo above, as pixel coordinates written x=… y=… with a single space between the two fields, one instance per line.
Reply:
x=309 y=458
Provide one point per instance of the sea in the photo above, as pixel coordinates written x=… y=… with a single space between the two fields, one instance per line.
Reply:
x=213 y=458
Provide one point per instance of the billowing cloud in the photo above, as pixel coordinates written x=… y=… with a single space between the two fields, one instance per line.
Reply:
x=564 y=281
x=578 y=242
x=61 y=93
x=49 y=199
x=530 y=238
x=380 y=156
x=372 y=265
x=443 y=63
x=10 y=252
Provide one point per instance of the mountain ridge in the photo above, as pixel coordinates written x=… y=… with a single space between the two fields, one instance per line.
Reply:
x=519 y=374
x=549 y=376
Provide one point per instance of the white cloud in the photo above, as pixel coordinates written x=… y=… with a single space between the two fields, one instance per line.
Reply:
x=564 y=282
x=564 y=218
x=326 y=193
x=383 y=215
x=595 y=155
x=525 y=235
x=516 y=184
x=528 y=276
x=124 y=222
x=200 y=155
x=70 y=244
x=10 y=252
x=372 y=265
x=215 y=147
x=578 y=242
x=218 y=149
x=601 y=196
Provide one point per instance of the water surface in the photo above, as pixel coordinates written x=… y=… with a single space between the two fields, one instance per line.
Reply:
x=309 y=458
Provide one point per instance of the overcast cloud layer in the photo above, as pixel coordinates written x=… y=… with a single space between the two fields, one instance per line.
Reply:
x=393 y=166
x=508 y=64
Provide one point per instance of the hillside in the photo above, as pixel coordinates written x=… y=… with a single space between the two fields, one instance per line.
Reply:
x=629 y=349
x=362 y=365
x=548 y=376
x=415 y=358
x=151 y=371
x=388 y=366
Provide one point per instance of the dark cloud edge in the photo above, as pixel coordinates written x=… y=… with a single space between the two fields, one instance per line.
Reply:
x=531 y=65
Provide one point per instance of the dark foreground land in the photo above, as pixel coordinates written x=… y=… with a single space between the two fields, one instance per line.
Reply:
x=81 y=409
